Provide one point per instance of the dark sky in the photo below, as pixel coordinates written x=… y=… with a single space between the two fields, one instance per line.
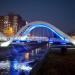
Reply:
x=61 y=13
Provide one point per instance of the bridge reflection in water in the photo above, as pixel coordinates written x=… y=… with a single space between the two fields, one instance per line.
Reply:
x=27 y=57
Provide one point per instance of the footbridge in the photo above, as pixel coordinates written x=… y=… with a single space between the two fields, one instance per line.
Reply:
x=25 y=30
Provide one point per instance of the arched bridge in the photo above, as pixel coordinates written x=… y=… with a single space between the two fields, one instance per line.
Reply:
x=25 y=30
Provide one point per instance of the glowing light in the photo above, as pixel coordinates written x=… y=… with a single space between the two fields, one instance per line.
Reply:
x=9 y=31
x=29 y=29
x=21 y=66
x=50 y=41
x=15 y=65
x=67 y=40
x=27 y=56
x=5 y=44
x=73 y=41
x=26 y=68
x=24 y=38
x=63 y=43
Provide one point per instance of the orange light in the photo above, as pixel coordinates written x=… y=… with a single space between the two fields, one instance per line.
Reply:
x=9 y=31
x=27 y=56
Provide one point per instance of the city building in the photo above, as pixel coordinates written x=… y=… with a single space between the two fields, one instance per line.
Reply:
x=10 y=24
x=1 y=23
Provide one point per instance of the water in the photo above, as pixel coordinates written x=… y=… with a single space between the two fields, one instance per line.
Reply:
x=23 y=59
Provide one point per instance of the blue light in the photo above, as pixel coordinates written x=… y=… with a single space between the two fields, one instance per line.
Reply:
x=17 y=41
x=25 y=68
x=15 y=65
x=29 y=29
x=21 y=66
x=63 y=43
x=67 y=40
x=50 y=41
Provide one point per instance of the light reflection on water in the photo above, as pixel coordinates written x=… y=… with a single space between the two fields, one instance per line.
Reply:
x=18 y=67
x=24 y=62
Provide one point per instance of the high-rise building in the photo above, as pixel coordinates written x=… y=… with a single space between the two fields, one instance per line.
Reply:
x=1 y=23
x=11 y=24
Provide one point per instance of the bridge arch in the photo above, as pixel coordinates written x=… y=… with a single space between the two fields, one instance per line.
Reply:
x=30 y=26
x=33 y=26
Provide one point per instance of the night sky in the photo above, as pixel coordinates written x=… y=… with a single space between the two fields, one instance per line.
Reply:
x=60 y=13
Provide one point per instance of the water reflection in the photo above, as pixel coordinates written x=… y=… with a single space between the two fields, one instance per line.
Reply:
x=23 y=59
x=18 y=67
x=24 y=62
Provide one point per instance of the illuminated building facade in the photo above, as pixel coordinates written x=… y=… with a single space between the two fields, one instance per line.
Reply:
x=1 y=23
x=10 y=24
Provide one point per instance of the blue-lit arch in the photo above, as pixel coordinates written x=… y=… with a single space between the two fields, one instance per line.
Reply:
x=30 y=26
x=33 y=26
